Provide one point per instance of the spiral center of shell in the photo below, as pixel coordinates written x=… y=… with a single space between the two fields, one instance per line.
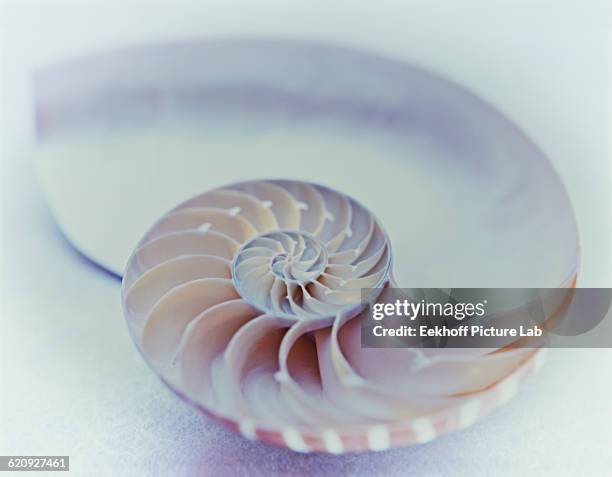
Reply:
x=273 y=270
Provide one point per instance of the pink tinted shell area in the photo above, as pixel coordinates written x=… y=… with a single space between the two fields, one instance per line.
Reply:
x=357 y=439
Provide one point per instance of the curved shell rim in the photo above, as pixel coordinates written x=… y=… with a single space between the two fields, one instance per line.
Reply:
x=528 y=367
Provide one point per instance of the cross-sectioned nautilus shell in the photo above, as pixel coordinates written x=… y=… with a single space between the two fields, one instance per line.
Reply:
x=246 y=300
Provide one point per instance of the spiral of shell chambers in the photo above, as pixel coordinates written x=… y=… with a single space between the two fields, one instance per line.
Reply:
x=291 y=249
x=248 y=300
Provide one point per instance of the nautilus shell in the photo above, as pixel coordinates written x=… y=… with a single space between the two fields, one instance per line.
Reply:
x=247 y=301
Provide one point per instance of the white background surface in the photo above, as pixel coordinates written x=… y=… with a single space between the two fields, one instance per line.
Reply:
x=71 y=380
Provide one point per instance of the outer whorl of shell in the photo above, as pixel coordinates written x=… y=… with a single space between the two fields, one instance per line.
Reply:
x=246 y=300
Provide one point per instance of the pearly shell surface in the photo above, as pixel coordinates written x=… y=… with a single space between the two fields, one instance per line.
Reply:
x=246 y=300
